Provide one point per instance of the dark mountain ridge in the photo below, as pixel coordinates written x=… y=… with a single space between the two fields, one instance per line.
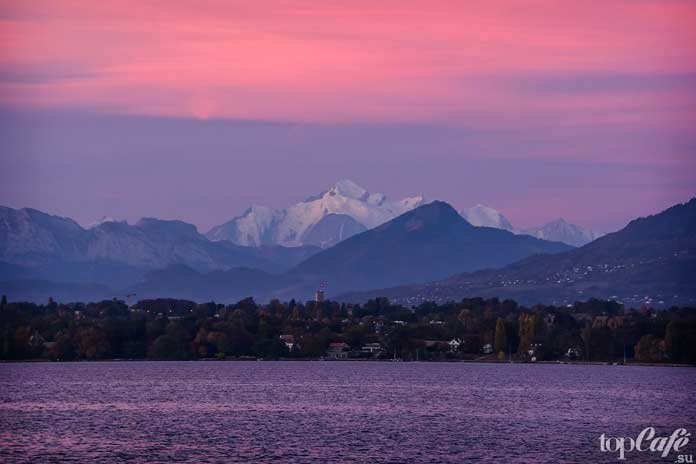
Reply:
x=651 y=261
x=432 y=241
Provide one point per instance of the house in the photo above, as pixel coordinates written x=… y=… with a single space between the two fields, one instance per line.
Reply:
x=289 y=341
x=534 y=350
x=455 y=344
x=338 y=350
x=572 y=353
x=374 y=349
x=50 y=346
x=36 y=340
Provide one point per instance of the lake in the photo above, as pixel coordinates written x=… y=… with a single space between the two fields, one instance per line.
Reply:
x=343 y=412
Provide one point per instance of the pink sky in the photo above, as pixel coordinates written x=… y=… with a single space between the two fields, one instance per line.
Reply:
x=574 y=79
x=342 y=61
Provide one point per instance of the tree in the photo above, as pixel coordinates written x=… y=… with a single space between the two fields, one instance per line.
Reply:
x=527 y=326
x=680 y=341
x=92 y=343
x=63 y=350
x=174 y=344
x=500 y=337
x=650 y=349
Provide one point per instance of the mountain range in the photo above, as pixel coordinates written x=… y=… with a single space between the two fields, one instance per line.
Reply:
x=558 y=230
x=170 y=258
x=36 y=245
x=347 y=209
x=340 y=212
x=429 y=242
x=651 y=261
x=43 y=255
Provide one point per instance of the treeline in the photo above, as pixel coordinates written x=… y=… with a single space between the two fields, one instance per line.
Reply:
x=470 y=329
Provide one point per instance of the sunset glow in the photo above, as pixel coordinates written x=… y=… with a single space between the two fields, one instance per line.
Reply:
x=353 y=61
x=592 y=84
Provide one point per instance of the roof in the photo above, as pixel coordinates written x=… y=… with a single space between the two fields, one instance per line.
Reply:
x=338 y=346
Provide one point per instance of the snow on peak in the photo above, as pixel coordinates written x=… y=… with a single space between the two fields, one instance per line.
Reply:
x=485 y=216
x=348 y=188
x=559 y=230
x=559 y=222
x=103 y=220
x=287 y=227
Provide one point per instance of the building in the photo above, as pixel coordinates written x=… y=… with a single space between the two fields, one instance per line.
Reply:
x=572 y=353
x=373 y=349
x=338 y=350
x=455 y=344
x=534 y=351
x=319 y=296
x=290 y=343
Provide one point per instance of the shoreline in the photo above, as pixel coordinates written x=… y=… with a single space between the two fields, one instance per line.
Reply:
x=398 y=361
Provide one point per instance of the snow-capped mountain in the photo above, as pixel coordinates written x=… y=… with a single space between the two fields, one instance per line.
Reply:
x=28 y=235
x=485 y=216
x=103 y=220
x=58 y=248
x=334 y=215
x=556 y=231
x=562 y=231
x=255 y=227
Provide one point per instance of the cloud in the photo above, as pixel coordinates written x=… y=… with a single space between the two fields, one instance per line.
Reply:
x=342 y=61
x=43 y=73
x=587 y=83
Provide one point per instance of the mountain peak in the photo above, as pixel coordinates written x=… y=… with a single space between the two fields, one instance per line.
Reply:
x=349 y=207
x=103 y=220
x=350 y=189
x=417 y=246
x=439 y=206
x=561 y=230
x=485 y=216
x=438 y=213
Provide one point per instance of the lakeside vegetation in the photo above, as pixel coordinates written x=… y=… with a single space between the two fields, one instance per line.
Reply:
x=476 y=328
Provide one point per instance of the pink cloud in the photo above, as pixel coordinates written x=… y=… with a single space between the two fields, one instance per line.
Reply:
x=354 y=61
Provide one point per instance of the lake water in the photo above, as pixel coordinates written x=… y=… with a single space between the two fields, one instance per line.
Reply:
x=344 y=412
